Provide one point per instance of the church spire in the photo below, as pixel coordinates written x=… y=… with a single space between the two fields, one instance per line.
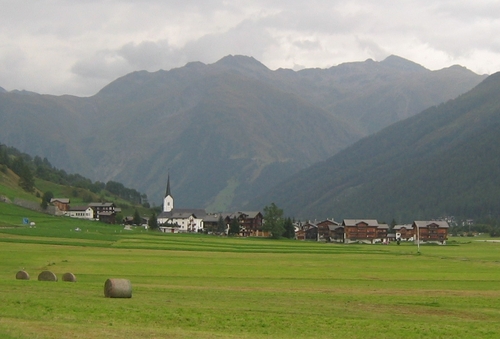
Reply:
x=168 y=187
x=168 y=201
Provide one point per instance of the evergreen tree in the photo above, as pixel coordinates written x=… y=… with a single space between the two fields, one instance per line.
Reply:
x=26 y=179
x=289 y=229
x=221 y=225
x=234 y=227
x=153 y=222
x=137 y=218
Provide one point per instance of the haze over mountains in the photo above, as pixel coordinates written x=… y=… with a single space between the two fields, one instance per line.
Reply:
x=443 y=161
x=227 y=131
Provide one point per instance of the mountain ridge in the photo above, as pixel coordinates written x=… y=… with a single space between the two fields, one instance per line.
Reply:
x=443 y=160
x=235 y=122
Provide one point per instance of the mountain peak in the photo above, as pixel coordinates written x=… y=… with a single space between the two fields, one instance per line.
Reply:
x=402 y=64
x=241 y=61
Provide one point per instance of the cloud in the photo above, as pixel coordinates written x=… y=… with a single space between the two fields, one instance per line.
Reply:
x=77 y=47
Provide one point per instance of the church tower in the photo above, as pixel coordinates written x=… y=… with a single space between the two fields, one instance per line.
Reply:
x=168 y=201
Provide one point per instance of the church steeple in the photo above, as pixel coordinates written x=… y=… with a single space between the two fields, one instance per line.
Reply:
x=168 y=187
x=168 y=201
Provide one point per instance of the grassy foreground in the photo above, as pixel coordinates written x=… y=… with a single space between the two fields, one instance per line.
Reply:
x=189 y=286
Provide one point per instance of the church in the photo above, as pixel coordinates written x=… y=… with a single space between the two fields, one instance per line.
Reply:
x=175 y=220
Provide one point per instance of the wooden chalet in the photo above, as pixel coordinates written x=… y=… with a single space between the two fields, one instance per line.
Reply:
x=104 y=211
x=250 y=223
x=308 y=231
x=404 y=232
x=365 y=230
x=431 y=231
x=325 y=228
x=61 y=203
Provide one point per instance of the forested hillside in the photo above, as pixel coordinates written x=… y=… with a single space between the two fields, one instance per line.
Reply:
x=443 y=161
x=29 y=169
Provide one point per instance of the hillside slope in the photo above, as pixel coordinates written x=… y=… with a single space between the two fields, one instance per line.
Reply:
x=443 y=161
x=227 y=131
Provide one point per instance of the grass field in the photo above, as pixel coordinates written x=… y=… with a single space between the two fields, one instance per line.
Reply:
x=194 y=286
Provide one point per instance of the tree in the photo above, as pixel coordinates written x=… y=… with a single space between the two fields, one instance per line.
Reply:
x=289 y=229
x=221 y=225
x=26 y=179
x=137 y=220
x=153 y=222
x=273 y=220
x=234 y=227
x=46 y=198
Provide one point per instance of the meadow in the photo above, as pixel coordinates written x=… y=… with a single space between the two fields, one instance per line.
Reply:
x=199 y=286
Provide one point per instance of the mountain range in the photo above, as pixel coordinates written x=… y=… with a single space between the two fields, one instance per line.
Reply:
x=226 y=132
x=444 y=161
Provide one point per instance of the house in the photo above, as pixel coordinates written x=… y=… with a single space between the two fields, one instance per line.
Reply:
x=179 y=220
x=328 y=228
x=250 y=223
x=104 y=211
x=404 y=232
x=324 y=228
x=364 y=230
x=431 y=231
x=211 y=223
x=61 y=203
x=307 y=231
x=336 y=233
x=81 y=212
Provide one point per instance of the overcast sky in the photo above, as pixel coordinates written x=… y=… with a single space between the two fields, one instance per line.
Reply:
x=77 y=47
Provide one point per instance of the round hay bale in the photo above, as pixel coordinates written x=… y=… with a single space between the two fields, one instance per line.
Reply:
x=47 y=276
x=69 y=277
x=118 y=288
x=22 y=275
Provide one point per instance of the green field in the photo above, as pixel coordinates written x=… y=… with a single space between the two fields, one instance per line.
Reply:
x=194 y=286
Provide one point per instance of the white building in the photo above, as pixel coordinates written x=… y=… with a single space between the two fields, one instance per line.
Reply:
x=179 y=220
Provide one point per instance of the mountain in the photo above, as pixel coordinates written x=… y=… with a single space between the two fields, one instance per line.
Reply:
x=443 y=161
x=226 y=131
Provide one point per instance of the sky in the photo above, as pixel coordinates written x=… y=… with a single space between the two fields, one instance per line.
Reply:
x=79 y=46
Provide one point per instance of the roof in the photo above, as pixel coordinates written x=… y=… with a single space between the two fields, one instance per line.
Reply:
x=250 y=214
x=425 y=224
x=407 y=226
x=383 y=226
x=167 y=193
x=334 y=227
x=78 y=208
x=354 y=222
x=99 y=204
x=61 y=200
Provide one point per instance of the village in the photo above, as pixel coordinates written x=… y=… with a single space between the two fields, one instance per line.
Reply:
x=174 y=220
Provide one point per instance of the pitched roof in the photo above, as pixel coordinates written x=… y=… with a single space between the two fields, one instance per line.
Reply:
x=425 y=224
x=167 y=193
x=407 y=226
x=354 y=222
x=78 y=208
x=61 y=200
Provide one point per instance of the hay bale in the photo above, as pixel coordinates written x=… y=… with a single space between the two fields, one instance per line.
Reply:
x=118 y=288
x=69 y=277
x=22 y=275
x=47 y=276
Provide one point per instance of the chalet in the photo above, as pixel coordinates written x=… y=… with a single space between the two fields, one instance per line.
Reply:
x=365 y=230
x=61 y=203
x=104 y=211
x=250 y=223
x=211 y=223
x=308 y=231
x=431 y=231
x=404 y=232
x=325 y=227
x=336 y=233
x=81 y=212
